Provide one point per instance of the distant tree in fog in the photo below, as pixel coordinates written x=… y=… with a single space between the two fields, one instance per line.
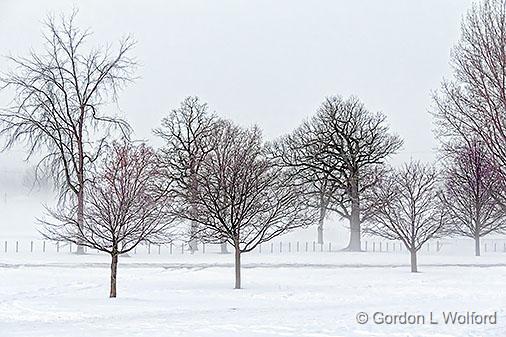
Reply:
x=344 y=144
x=407 y=207
x=126 y=204
x=56 y=109
x=186 y=133
x=241 y=196
x=471 y=183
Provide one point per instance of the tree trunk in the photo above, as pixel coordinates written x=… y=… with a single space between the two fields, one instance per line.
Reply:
x=80 y=216
x=477 y=249
x=114 y=270
x=414 y=265
x=355 y=244
x=224 y=249
x=237 y=267
x=321 y=221
x=192 y=245
x=80 y=176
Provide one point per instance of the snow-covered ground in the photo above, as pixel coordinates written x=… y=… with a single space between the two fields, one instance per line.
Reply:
x=316 y=294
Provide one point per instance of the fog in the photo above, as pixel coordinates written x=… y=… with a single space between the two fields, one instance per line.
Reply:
x=256 y=62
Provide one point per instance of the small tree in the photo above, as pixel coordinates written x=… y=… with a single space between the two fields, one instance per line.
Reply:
x=407 y=208
x=241 y=197
x=470 y=190
x=125 y=207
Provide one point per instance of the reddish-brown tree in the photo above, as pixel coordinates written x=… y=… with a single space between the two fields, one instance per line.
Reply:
x=471 y=184
x=127 y=203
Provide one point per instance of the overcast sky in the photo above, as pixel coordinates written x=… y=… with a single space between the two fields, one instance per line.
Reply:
x=269 y=63
x=264 y=62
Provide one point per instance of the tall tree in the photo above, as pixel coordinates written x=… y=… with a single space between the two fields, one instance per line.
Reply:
x=473 y=103
x=242 y=197
x=56 y=109
x=407 y=207
x=347 y=144
x=470 y=186
x=126 y=204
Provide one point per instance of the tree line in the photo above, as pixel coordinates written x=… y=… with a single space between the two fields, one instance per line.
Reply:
x=215 y=181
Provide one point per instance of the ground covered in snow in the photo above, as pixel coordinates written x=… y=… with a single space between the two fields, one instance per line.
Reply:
x=284 y=295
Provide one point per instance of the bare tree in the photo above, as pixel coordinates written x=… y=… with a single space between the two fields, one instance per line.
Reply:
x=320 y=191
x=470 y=186
x=407 y=208
x=56 y=109
x=125 y=206
x=186 y=133
x=241 y=197
x=347 y=144
x=473 y=103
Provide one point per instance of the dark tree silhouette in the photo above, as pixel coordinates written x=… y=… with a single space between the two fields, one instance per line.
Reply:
x=56 y=109
x=407 y=207
x=241 y=197
x=347 y=144
x=125 y=205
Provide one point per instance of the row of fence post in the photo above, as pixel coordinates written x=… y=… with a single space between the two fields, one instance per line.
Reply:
x=6 y=245
x=374 y=247
x=297 y=247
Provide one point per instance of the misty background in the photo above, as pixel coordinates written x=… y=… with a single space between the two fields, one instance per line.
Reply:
x=255 y=62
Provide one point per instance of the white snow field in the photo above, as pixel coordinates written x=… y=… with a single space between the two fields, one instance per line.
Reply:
x=316 y=295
